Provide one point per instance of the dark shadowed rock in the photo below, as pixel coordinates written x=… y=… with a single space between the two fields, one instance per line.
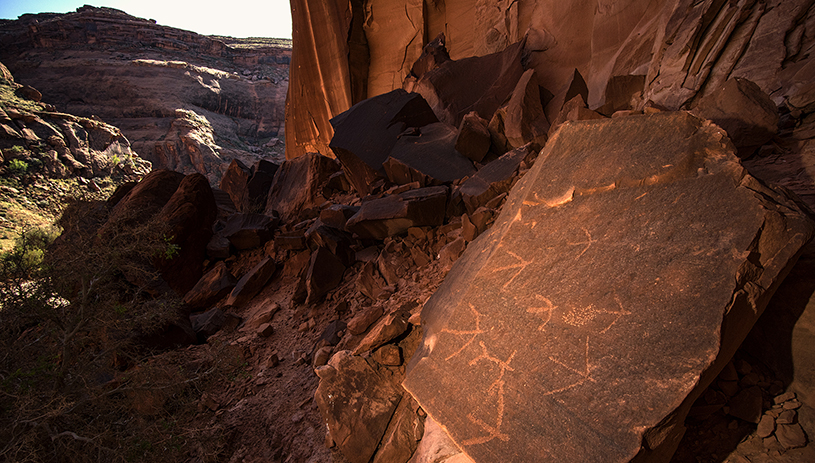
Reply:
x=394 y=214
x=427 y=155
x=251 y=283
x=365 y=134
x=493 y=179
x=337 y=215
x=336 y=240
x=607 y=296
x=293 y=240
x=247 y=231
x=324 y=273
x=473 y=137
x=257 y=188
x=225 y=205
x=356 y=404
x=296 y=185
x=573 y=110
x=187 y=218
x=148 y=197
x=234 y=183
x=619 y=91
x=213 y=286
x=370 y=282
x=479 y=84
x=577 y=87
x=210 y=322
x=747 y=114
x=218 y=247
x=434 y=54
x=521 y=120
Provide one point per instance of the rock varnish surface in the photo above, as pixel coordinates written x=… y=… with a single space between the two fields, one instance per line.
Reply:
x=625 y=269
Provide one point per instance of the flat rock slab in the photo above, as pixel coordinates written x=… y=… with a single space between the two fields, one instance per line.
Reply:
x=632 y=258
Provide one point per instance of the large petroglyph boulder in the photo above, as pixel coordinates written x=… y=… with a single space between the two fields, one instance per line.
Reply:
x=626 y=267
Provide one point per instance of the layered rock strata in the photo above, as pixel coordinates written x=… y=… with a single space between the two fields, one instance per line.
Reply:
x=185 y=101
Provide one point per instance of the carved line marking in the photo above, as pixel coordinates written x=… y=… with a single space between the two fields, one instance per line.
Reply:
x=585 y=375
x=521 y=267
x=471 y=333
x=496 y=388
x=619 y=314
x=547 y=308
x=589 y=241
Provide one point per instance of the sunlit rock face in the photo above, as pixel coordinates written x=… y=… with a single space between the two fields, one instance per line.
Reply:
x=625 y=269
x=185 y=102
x=347 y=51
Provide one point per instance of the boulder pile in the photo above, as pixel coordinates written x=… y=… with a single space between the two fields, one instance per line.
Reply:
x=576 y=251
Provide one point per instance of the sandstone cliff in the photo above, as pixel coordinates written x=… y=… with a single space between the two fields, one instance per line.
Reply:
x=185 y=101
x=673 y=52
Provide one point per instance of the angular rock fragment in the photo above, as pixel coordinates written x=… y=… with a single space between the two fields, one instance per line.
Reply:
x=479 y=84
x=214 y=285
x=493 y=179
x=434 y=54
x=577 y=87
x=336 y=240
x=742 y=109
x=521 y=120
x=337 y=215
x=394 y=214
x=210 y=322
x=356 y=404
x=251 y=283
x=324 y=273
x=291 y=241
x=427 y=155
x=296 y=185
x=363 y=320
x=247 y=231
x=400 y=439
x=573 y=110
x=746 y=405
x=365 y=134
x=233 y=182
x=259 y=183
x=473 y=138
x=370 y=282
x=619 y=91
x=218 y=247
x=607 y=296
x=187 y=219
x=387 y=329
x=791 y=436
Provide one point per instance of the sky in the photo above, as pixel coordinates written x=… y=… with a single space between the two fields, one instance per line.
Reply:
x=235 y=18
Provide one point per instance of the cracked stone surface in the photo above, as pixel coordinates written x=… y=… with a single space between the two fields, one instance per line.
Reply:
x=625 y=269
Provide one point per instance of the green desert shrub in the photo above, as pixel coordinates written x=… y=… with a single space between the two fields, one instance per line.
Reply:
x=72 y=366
x=17 y=167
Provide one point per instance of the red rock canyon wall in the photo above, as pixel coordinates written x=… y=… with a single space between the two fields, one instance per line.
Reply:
x=345 y=51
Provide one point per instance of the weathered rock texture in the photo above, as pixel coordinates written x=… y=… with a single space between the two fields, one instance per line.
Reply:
x=674 y=51
x=185 y=101
x=624 y=271
x=64 y=145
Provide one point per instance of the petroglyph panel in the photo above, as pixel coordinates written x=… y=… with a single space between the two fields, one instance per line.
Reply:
x=571 y=328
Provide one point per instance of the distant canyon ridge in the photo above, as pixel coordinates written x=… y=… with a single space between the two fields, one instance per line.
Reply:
x=185 y=101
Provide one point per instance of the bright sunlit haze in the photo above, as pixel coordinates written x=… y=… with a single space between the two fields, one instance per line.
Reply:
x=237 y=18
